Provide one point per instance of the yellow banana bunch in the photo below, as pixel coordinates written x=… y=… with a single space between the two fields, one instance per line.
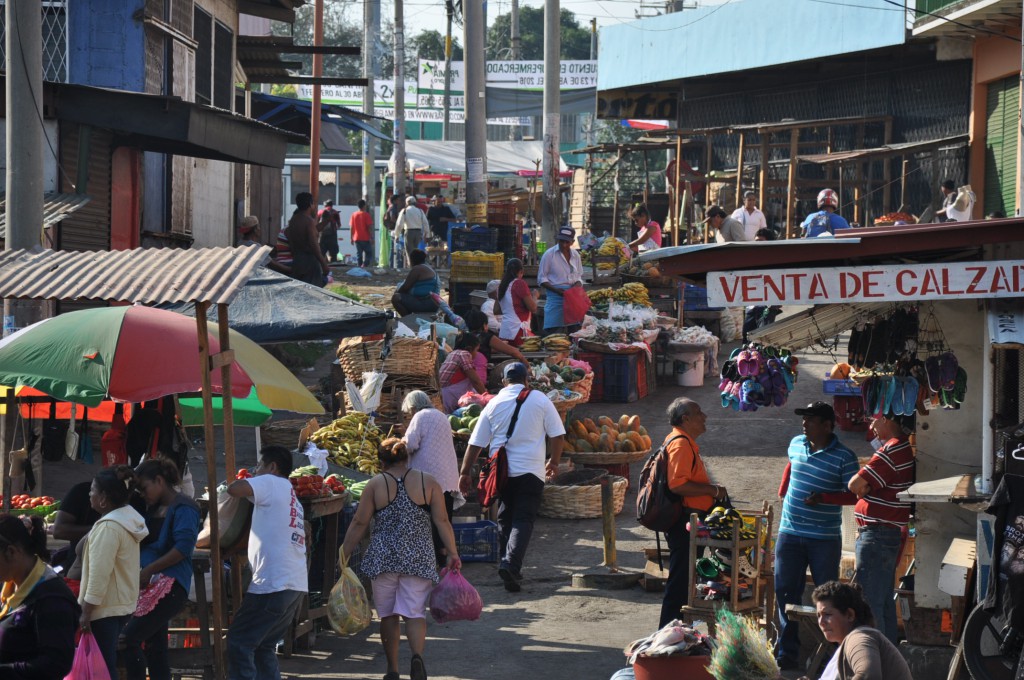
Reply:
x=351 y=441
x=557 y=342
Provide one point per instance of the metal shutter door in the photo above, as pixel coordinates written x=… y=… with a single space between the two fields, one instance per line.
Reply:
x=89 y=227
x=1001 y=146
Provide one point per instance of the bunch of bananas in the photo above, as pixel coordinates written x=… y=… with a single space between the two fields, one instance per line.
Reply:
x=557 y=342
x=633 y=292
x=613 y=246
x=351 y=441
x=533 y=343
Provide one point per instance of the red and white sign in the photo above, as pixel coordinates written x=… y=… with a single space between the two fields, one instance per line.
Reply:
x=885 y=283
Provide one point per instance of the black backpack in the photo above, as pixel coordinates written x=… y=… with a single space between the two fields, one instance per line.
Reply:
x=657 y=507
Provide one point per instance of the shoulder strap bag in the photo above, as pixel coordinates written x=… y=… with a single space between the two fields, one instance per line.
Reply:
x=494 y=471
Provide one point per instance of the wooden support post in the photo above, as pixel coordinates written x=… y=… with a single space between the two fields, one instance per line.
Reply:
x=765 y=154
x=228 y=408
x=708 y=158
x=611 y=559
x=680 y=196
x=615 y=201
x=903 y=183
x=794 y=142
x=858 y=180
x=868 y=195
x=887 y=172
x=856 y=201
x=11 y=403
x=739 y=172
x=647 y=180
x=217 y=629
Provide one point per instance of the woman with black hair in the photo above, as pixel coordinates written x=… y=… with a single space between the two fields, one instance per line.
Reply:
x=38 y=613
x=518 y=303
x=400 y=557
x=489 y=340
x=173 y=519
x=110 y=561
x=458 y=373
x=864 y=653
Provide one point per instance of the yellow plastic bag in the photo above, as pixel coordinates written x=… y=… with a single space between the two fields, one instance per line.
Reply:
x=348 y=610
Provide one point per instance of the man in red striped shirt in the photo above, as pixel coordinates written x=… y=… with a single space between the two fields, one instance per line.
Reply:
x=882 y=518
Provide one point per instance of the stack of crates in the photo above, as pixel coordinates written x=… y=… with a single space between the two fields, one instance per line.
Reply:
x=620 y=378
x=471 y=271
x=596 y=361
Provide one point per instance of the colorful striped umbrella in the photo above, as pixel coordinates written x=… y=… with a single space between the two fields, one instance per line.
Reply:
x=134 y=354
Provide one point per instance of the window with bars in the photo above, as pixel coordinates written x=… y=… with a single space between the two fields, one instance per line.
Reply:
x=55 y=39
x=214 y=60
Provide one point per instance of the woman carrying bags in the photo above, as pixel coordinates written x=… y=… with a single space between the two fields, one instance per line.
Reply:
x=110 y=561
x=400 y=559
x=38 y=613
x=173 y=518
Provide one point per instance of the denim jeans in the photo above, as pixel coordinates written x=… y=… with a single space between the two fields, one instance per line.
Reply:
x=106 y=632
x=520 y=501
x=793 y=554
x=260 y=623
x=878 y=549
x=151 y=630
x=364 y=253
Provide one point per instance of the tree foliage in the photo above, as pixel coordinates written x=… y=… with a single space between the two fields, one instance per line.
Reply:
x=575 y=38
x=430 y=45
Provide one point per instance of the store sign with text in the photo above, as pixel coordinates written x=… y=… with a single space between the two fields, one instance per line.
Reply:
x=884 y=283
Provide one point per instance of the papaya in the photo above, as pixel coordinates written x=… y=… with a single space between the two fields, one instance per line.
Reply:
x=613 y=430
x=593 y=438
x=647 y=442
x=583 y=446
x=642 y=430
x=623 y=420
x=567 y=446
x=634 y=423
x=580 y=429
x=634 y=438
x=623 y=436
x=605 y=420
x=591 y=426
x=627 y=447
x=604 y=443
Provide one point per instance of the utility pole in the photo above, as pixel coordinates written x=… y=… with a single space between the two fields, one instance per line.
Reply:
x=371 y=21
x=399 y=97
x=447 y=104
x=552 y=209
x=1020 y=139
x=476 y=112
x=592 y=117
x=24 y=180
x=314 y=116
x=514 y=132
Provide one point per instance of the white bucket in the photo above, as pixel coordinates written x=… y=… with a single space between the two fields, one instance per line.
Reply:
x=689 y=369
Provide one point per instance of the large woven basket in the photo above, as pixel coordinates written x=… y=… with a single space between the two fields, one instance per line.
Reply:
x=391 y=397
x=411 y=358
x=284 y=432
x=563 y=407
x=608 y=457
x=581 y=502
x=583 y=387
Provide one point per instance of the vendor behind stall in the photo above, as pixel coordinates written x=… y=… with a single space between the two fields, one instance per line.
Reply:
x=414 y=294
x=518 y=303
x=649 y=232
x=560 y=269
x=489 y=340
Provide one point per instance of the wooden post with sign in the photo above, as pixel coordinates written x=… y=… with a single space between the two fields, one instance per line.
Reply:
x=765 y=156
x=739 y=172
x=887 y=172
x=615 y=201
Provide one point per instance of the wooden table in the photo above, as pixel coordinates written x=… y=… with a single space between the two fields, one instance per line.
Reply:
x=199 y=658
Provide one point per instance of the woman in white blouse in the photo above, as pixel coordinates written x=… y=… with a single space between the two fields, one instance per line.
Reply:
x=428 y=438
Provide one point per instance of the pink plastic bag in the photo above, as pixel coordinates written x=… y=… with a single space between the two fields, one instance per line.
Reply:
x=575 y=303
x=89 y=663
x=454 y=599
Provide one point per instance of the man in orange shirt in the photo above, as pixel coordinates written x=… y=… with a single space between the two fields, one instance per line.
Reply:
x=687 y=478
x=361 y=226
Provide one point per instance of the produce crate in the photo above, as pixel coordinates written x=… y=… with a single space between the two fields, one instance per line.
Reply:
x=459 y=296
x=596 y=361
x=620 y=378
x=642 y=389
x=510 y=241
x=501 y=212
x=695 y=299
x=840 y=387
x=468 y=267
x=476 y=541
x=480 y=238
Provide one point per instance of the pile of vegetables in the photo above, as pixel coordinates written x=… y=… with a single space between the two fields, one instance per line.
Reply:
x=42 y=504
x=606 y=435
x=463 y=420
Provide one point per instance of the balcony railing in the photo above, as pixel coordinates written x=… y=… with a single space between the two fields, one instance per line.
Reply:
x=935 y=6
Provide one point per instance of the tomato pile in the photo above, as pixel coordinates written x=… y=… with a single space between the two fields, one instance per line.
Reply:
x=25 y=502
x=309 y=486
x=243 y=474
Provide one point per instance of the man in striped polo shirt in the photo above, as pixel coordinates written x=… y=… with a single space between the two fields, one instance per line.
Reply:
x=810 y=534
x=882 y=518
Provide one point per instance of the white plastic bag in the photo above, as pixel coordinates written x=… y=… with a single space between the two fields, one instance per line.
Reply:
x=366 y=399
x=317 y=457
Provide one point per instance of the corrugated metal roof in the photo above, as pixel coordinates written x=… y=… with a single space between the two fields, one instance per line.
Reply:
x=817 y=325
x=953 y=142
x=55 y=208
x=148 y=275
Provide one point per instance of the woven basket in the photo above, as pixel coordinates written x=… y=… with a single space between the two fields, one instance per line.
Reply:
x=391 y=397
x=608 y=457
x=583 y=387
x=411 y=358
x=563 y=407
x=284 y=432
x=580 y=502
x=591 y=346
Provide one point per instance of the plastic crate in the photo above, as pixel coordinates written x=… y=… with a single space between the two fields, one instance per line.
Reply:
x=459 y=295
x=478 y=238
x=501 y=213
x=695 y=299
x=850 y=416
x=476 y=541
x=840 y=387
x=642 y=369
x=472 y=268
x=510 y=241
x=596 y=361
x=620 y=378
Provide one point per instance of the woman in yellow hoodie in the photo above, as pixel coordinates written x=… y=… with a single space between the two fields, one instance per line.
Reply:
x=110 y=563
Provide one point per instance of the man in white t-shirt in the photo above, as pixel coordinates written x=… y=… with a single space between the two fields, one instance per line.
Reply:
x=527 y=470
x=277 y=554
x=750 y=216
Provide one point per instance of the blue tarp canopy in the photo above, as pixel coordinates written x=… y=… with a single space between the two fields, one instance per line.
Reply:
x=294 y=114
x=272 y=307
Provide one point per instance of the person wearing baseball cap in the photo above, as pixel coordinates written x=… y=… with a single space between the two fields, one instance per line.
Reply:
x=560 y=269
x=249 y=230
x=525 y=448
x=813 y=490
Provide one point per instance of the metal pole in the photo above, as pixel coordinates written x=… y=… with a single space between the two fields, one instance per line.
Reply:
x=476 y=112
x=1020 y=141
x=371 y=19
x=399 y=97
x=514 y=132
x=314 y=117
x=591 y=119
x=552 y=212
x=447 y=104
x=611 y=559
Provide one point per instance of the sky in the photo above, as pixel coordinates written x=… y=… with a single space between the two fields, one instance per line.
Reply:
x=429 y=14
